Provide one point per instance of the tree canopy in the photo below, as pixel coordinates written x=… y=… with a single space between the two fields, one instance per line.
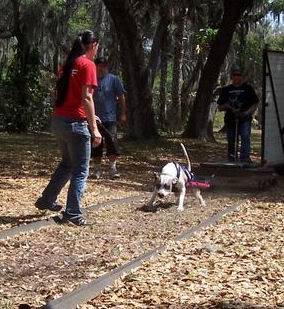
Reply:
x=171 y=55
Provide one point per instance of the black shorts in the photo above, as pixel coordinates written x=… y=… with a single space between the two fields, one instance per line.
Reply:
x=108 y=131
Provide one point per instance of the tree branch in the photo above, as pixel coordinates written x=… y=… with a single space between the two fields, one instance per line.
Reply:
x=6 y=35
x=160 y=32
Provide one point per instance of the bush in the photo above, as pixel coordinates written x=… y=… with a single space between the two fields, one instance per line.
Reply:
x=26 y=96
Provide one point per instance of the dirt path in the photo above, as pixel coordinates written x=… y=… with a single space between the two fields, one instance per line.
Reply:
x=17 y=198
x=54 y=260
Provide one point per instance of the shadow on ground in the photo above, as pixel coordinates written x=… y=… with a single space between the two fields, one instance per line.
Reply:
x=16 y=220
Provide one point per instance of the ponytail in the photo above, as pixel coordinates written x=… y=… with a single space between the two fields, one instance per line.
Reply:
x=78 y=49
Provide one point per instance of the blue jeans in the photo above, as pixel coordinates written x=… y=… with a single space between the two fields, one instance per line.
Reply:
x=75 y=145
x=244 y=131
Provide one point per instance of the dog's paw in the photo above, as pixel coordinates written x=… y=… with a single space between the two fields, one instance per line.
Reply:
x=180 y=209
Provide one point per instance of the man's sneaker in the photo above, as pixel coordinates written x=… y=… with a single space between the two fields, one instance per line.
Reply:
x=231 y=159
x=52 y=207
x=247 y=162
x=98 y=174
x=114 y=174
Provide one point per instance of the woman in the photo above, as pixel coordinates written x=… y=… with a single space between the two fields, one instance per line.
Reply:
x=74 y=123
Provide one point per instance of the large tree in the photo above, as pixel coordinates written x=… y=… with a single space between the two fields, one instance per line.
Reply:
x=197 y=125
x=139 y=74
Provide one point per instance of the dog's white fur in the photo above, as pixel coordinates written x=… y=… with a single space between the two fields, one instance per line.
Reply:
x=168 y=180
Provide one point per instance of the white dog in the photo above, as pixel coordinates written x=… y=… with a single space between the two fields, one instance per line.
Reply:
x=175 y=178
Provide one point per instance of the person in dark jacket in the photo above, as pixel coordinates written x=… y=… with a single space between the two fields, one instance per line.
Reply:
x=239 y=101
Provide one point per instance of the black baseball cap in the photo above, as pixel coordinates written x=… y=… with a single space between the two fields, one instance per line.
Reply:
x=236 y=70
x=101 y=60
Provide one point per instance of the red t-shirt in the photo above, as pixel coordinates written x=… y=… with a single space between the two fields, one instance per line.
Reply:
x=83 y=74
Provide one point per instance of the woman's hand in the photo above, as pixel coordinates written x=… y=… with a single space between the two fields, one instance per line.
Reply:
x=97 y=138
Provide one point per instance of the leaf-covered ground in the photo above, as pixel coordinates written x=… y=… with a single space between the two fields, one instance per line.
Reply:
x=52 y=261
x=26 y=162
x=237 y=264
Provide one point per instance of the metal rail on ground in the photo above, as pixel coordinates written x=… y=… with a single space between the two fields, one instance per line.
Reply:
x=35 y=225
x=91 y=290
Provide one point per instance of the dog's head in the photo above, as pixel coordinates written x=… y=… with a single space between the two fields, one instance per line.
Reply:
x=164 y=184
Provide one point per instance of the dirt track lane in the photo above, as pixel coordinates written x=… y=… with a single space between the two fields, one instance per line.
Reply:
x=57 y=259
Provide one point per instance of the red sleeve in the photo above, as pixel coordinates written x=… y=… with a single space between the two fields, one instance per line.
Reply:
x=89 y=74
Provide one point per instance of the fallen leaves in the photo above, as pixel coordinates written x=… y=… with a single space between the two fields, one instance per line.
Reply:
x=236 y=262
x=245 y=271
x=57 y=259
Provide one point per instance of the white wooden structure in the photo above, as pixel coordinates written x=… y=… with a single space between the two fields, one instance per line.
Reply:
x=273 y=108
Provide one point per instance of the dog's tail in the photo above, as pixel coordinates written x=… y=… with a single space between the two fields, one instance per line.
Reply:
x=186 y=155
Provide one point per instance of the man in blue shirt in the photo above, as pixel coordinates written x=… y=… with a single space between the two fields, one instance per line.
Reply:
x=109 y=94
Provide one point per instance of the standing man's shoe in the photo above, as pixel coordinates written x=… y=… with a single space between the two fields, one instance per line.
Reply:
x=98 y=174
x=247 y=162
x=114 y=174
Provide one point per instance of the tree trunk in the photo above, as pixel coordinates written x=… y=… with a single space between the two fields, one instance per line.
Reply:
x=163 y=81
x=99 y=15
x=210 y=128
x=158 y=41
x=197 y=125
x=177 y=75
x=139 y=94
x=21 y=71
x=242 y=33
x=113 y=50
x=189 y=85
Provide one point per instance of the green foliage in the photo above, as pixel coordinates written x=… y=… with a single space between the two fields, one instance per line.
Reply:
x=250 y=54
x=276 y=41
x=26 y=86
x=206 y=36
x=25 y=95
x=81 y=20
x=277 y=6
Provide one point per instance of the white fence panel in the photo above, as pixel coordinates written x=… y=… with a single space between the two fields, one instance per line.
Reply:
x=273 y=145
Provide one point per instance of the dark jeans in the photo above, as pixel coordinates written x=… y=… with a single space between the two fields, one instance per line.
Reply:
x=75 y=144
x=244 y=131
x=108 y=131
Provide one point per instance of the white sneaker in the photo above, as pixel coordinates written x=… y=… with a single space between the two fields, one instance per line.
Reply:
x=114 y=174
x=98 y=174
